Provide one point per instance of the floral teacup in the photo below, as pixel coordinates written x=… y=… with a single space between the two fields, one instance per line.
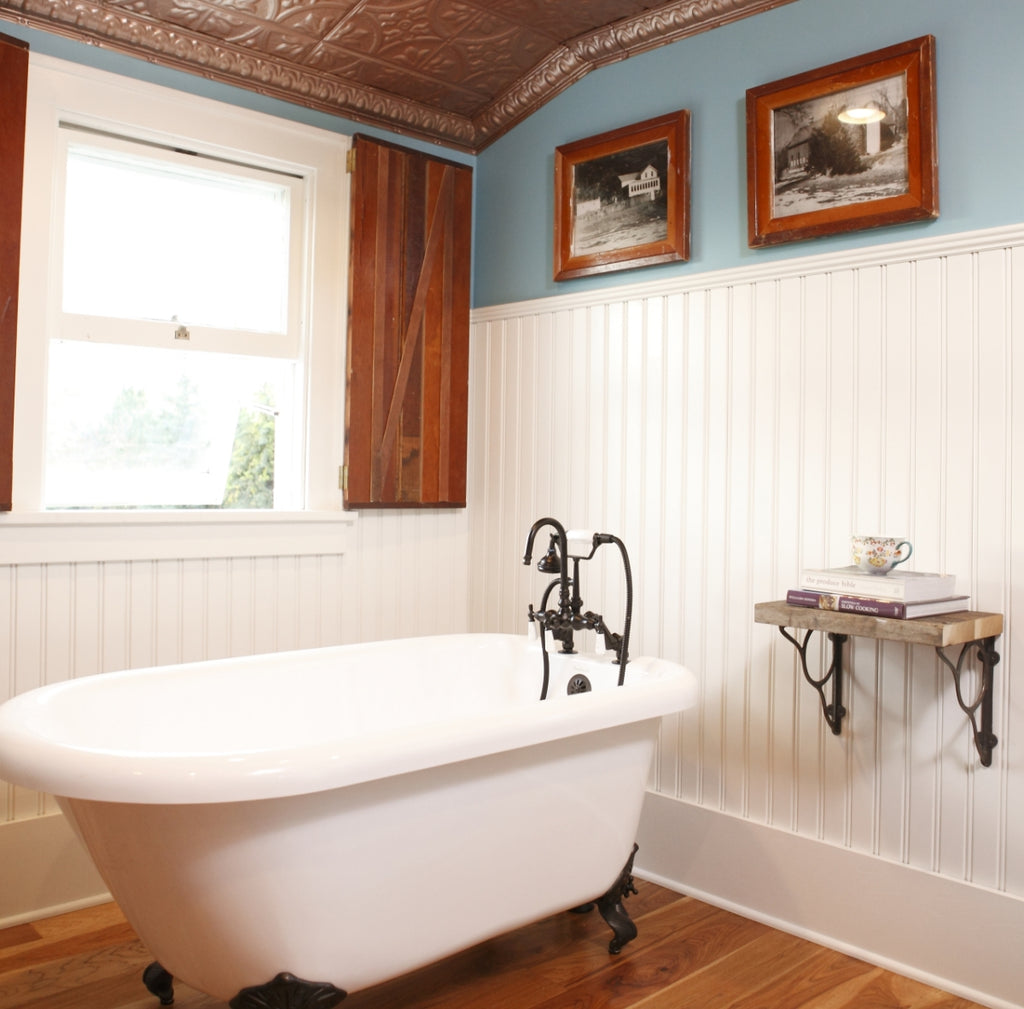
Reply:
x=880 y=554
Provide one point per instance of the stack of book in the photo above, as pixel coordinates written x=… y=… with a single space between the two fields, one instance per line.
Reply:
x=900 y=594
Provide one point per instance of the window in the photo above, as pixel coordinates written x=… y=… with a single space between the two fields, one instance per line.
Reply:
x=186 y=325
x=173 y=381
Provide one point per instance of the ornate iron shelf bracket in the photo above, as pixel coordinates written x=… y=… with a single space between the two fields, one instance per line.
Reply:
x=984 y=739
x=833 y=709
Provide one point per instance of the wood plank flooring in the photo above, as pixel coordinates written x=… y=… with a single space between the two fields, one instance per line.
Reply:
x=688 y=954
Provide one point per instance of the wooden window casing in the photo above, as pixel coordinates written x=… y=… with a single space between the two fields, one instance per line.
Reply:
x=406 y=402
x=13 y=95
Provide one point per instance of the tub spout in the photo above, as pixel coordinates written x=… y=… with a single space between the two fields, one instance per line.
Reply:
x=559 y=621
x=549 y=557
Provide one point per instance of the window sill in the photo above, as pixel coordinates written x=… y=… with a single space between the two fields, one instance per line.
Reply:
x=69 y=536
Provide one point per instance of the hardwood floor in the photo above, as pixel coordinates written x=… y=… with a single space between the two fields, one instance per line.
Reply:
x=688 y=954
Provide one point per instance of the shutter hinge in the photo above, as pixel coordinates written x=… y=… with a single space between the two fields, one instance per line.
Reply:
x=350 y=160
x=343 y=478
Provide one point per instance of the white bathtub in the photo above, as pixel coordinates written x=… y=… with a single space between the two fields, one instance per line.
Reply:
x=346 y=814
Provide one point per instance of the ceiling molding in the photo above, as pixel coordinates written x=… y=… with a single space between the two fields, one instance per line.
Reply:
x=127 y=28
x=610 y=44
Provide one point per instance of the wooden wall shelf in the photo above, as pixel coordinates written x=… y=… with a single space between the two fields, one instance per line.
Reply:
x=966 y=628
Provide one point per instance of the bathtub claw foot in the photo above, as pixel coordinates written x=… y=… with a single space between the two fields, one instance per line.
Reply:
x=287 y=991
x=159 y=983
x=610 y=906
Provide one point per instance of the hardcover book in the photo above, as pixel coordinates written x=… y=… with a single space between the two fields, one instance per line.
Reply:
x=876 y=607
x=902 y=586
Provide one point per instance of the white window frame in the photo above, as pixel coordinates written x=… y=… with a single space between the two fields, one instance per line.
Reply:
x=74 y=326
x=61 y=91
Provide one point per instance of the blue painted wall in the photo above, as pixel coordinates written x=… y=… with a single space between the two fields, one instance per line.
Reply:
x=980 y=85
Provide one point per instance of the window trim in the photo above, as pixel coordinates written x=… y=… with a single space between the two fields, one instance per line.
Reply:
x=54 y=536
x=61 y=91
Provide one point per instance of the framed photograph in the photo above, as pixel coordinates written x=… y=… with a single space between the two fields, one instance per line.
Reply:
x=848 y=146
x=622 y=199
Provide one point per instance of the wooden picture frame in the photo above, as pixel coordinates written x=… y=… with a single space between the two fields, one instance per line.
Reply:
x=622 y=198
x=848 y=146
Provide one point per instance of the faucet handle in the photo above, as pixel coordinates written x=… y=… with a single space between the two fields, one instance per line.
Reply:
x=581 y=543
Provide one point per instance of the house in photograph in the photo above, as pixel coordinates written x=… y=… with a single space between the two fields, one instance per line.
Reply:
x=798 y=151
x=401 y=390
x=645 y=183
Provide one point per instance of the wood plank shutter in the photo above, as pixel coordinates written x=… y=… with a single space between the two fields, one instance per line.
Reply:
x=408 y=331
x=13 y=94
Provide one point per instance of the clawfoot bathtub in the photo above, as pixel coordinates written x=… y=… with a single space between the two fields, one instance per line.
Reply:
x=317 y=822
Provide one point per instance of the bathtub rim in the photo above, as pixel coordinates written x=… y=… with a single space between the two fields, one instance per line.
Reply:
x=655 y=688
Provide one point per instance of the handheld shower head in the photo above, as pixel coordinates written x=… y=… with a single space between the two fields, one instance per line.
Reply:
x=551 y=562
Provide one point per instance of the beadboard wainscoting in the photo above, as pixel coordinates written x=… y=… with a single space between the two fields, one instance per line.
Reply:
x=208 y=590
x=732 y=428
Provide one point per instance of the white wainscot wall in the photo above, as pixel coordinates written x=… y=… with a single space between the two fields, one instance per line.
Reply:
x=732 y=428
x=152 y=593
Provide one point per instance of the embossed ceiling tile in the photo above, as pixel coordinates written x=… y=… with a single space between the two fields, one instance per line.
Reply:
x=405 y=34
x=488 y=55
x=519 y=43
x=270 y=42
x=450 y=18
x=485 y=68
x=341 y=58
x=258 y=25
x=457 y=101
x=563 y=21
x=219 y=22
x=419 y=88
x=368 y=70
x=312 y=18
x=544 y=16
x=231 y=19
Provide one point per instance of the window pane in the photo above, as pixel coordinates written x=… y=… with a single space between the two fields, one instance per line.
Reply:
x=145 y=239
x=131 y=427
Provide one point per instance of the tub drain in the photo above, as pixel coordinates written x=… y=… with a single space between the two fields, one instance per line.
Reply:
x=578 y=684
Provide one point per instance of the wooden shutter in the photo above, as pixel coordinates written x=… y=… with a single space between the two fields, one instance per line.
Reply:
x=408 y=332
x=13 y=93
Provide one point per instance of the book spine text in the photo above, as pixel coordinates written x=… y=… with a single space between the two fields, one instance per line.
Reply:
x=846 y=604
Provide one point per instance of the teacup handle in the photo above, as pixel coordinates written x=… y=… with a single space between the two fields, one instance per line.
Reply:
x=899 y=549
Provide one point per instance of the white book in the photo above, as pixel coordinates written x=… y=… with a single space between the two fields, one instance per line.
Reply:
x=905 y=586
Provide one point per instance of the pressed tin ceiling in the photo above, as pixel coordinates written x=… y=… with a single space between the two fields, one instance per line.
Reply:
x=459 y=72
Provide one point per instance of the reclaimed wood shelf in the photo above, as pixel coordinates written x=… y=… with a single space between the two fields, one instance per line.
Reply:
x=967 y=628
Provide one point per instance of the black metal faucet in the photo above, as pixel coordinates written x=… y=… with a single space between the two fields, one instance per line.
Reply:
x=568 y=617
x=552 y=563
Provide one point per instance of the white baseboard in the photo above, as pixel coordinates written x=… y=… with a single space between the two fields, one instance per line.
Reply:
x=961 y=938
x=45 y=871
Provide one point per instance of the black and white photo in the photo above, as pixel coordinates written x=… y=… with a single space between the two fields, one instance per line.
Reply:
x=622 y=198
x=844 y=147
x=847 y=147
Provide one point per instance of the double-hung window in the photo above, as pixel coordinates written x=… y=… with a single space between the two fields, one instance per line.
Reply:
x=176 y=372
x=188 y=346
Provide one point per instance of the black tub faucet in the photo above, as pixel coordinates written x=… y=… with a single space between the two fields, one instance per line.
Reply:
x=568 y=617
